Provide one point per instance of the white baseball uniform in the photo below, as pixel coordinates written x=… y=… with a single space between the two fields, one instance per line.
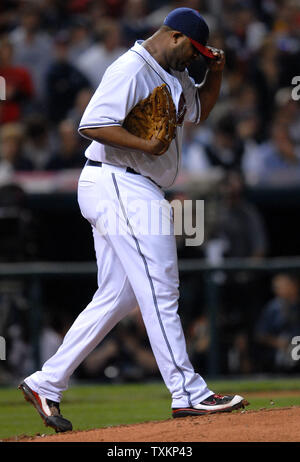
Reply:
x=135 y=266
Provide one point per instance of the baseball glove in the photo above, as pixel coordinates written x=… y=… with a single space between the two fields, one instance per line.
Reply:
x=154 y=116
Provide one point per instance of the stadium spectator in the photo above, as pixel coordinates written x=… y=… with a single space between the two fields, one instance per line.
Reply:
x=244 y=32
x=62 y=81
x=33 y=47
x=264 y=72
x=286 y=29
x=80 y=39
x=19 y=89
x=12 y=155
x=106 y=49
x=75 y=114
x=287 y=112
x=238 y=222
x=38 y=144
x=68 y=154
x=275 y=162
x=222 y=150
x=133 y=23
x=81 y=101
x=279 y=322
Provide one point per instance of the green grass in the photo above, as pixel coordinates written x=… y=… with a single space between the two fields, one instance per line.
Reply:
x=94 y=406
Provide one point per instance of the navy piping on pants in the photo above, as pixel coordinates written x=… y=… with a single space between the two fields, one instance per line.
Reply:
x=152 y=290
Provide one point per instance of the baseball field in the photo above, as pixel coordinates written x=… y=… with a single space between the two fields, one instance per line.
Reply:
x=141 y=413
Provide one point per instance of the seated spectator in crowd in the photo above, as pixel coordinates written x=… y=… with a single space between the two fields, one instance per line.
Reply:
x=38 y=142
x=107 y=48
x=134 y=25
x=75 y=114
x=275 y=162
x=264 y=72
x=12 y=155
x=238 y=223
x=279 y=322
x=33 y=47
x=68 y=154
x=80 y=38
x=222 y=150
x=63 y=81
x=287 y=38
x=287 y=112
x=243 y=30
x=19 y=89
x=81 y=101
x=245 y=101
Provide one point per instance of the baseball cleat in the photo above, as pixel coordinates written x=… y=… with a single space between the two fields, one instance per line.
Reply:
x=211 y=405
x=48 y=410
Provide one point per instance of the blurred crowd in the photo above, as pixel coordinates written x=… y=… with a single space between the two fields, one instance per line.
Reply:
x=53 y=54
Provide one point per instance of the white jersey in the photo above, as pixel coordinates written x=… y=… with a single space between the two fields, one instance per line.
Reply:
x=131 y=78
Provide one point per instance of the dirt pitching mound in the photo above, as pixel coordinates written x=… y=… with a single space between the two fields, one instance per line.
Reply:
x=267 y=425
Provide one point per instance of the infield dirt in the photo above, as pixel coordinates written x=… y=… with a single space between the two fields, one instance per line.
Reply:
x=265 y=425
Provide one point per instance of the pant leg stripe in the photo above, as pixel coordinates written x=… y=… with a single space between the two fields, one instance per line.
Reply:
x=152 y=289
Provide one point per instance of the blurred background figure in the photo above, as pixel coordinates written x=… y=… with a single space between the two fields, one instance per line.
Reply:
x=38 y=144
x=125 y=354
x=12 y=150
x=68 y=154
x=63 y=81
x=134 y=24
x=106 y=49
x=278 y=323
x=238 y=223
x=80 y=39
x=17 y=244
x=81 y=101
x=17 y=231
x=222 y=150
x=236 y=230
x=276 y=161
x=198 y=341
x=33 y=46
x=19 y=87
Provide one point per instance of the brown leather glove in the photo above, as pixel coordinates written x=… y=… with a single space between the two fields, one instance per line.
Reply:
x=154 y=116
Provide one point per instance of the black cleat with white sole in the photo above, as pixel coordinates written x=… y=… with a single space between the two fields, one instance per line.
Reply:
x=48 y=410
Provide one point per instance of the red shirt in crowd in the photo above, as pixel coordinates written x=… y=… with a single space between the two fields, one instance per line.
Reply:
x=18 y=89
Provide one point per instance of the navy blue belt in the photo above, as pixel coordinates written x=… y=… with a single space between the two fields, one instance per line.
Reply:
x=96 y=163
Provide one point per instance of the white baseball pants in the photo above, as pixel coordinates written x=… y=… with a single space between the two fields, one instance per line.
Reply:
x=136 y=266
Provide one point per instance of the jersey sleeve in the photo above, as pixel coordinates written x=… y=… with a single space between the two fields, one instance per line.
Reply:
x=192 y=98
x=111 y=102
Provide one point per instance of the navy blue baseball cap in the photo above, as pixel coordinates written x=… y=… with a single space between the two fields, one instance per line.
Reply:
x=190 y=23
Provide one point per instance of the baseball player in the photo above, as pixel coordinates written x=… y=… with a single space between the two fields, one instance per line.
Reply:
x=135 y=265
